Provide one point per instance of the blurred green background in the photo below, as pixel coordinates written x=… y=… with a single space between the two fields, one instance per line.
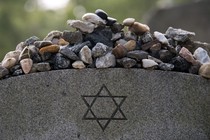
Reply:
x=22 y=19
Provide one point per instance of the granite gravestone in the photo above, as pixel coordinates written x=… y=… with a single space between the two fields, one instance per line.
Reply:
x=105 y=104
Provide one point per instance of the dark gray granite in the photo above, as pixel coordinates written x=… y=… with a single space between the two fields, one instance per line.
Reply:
x=105 y=104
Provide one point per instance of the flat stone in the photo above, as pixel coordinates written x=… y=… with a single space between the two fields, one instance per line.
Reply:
x=205 y=70
x=3 y=71
x=128 y=21
x=53 y=34
x=99 y=50
x=78 y=65
x=161 y=37
x=148 y=63
x=40 y=44
x=138 y=55
x=127 y=62
x=179 y=34
x=93 y=18
x=67 y=52
x=41 y=67
x=83 y=26
x=86 y=55
x=166 y=66
x=8 y=63
x=148 y=45
x=106 y=61
x=72 y=37
x=55 y=105
x=155 y=59
x=49 y=49
x=201 y=55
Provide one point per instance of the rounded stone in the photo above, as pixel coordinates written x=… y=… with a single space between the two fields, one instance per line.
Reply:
x=204 y=70
x=3 y=71
x=161 y=37
x=25 y=53
x=165 y=55
x=201 y=55
x=93 y=18
x=12 y=54
x=72 y=37
x=53 y=34
x=9 y=62
x=86 y=55
x=99 y=50
x=130 y=45
x=49 y=49
x=83 y=26
x=40 y=44
x=146 y=37
x=139 y=28
x=180 y=64
x=148 y=63
x=127 y=62
x=187 y=55
x=61 y=62
x=20 y=46
x=68 y=53
x=106 y=61
x=31 y=40
x=101 y=13
x=26 y=65
x=128 y=21
x=111 y=21
x=119 y=51
x=62 y=42
x=78 y=65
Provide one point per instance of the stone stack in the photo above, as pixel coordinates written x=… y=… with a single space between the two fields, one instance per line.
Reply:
x=99 y=41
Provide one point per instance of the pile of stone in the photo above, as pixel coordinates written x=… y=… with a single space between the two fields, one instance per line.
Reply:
x=99 y=41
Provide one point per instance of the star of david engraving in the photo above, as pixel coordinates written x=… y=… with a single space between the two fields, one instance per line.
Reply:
x=104 y=96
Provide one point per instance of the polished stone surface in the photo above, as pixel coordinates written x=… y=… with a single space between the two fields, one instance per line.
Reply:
x=105 y=104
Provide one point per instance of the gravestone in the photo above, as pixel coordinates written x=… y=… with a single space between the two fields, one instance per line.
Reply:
x=192 y=17
x=105 y=104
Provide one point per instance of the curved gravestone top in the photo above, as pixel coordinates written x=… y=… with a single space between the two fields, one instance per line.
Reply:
x=105 y=104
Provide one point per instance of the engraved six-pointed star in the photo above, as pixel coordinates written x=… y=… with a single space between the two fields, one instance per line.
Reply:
x=104 y=107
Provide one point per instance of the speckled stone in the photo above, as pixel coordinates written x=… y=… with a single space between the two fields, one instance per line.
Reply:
x=138 y=55
x=180 y=64
x=60 y=62
x=127 y=62
x=117 y=27
x=166 y=66
x=18 y=72
x=34 y=54
x=179 y=34
x=106 y=61
x=76 y=48
x=146 y=37
x=41 y=67
x=201 y=55
x=165 y=55
x=83 y=26
x=205 y=70
x=67 y=52
x=78 y=65
x=31 y=40
x=72 y=37
x=40 y=44
x=99 y=50
x=148 y=45
x=130 y=36
x=3 y=71
x=20 y=46
x=86 y=55
x=25 y=53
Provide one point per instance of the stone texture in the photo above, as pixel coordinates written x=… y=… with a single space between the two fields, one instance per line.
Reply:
x=83 y=26
x=161 y=37
x=138 y=55
x=50 y=106
x=53 y=34
x=72 y=37
x=93 y=18
x=85 y=55
x=128 y=21
x=148 y=63
x=26 y=65
x=9 y=62
x=205 y=70
x=67 y=52
x=99 y=50
x=201 y=55
x=3 y=72
x=106 y=61
x=78 y=65
x=127 y=62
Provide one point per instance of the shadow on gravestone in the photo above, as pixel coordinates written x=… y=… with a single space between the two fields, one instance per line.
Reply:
x=192 y=17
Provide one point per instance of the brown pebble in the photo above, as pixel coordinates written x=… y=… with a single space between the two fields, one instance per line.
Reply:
x=62 y=42
x=50 y=49
x=205 y=70
x=26 y=65
x=128 y=21
x=130 y=45
x=119 y=51
x=139 y=28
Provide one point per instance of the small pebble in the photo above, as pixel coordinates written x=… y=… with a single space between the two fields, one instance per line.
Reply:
x=139 y=28
x=25 y=53
x=20 y=46
x=180 y=64
x=44 y=66
x=130 y=45
x=76 y=48
x=127 y=62
x=99 y=50
x=26 y=65
x=195 y=68
x=146 y=37
x=148 y=63
x=9 y=62
x=110 y=21
x=165 y=55
x=138 y=55
x=102 y=14
x=12 y=54
x=106 y=61
x=85 y=55
x=3 y=71
x=40 y=44
x=166 y=66
x=31 y=40
x=65 y=51
x=128 y=21
x=60 y=62
x=161 y=37
x=78 y=65
x=73 y=37
x=93 y=18
x=205 y=70
x=18 y=72
x=50 y=49
x=53 y=34
x=187 y=55
x=119 y=51
x=83 y=26
x=201 y=55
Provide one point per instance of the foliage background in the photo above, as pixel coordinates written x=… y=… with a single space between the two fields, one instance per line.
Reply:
x=22 y=19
